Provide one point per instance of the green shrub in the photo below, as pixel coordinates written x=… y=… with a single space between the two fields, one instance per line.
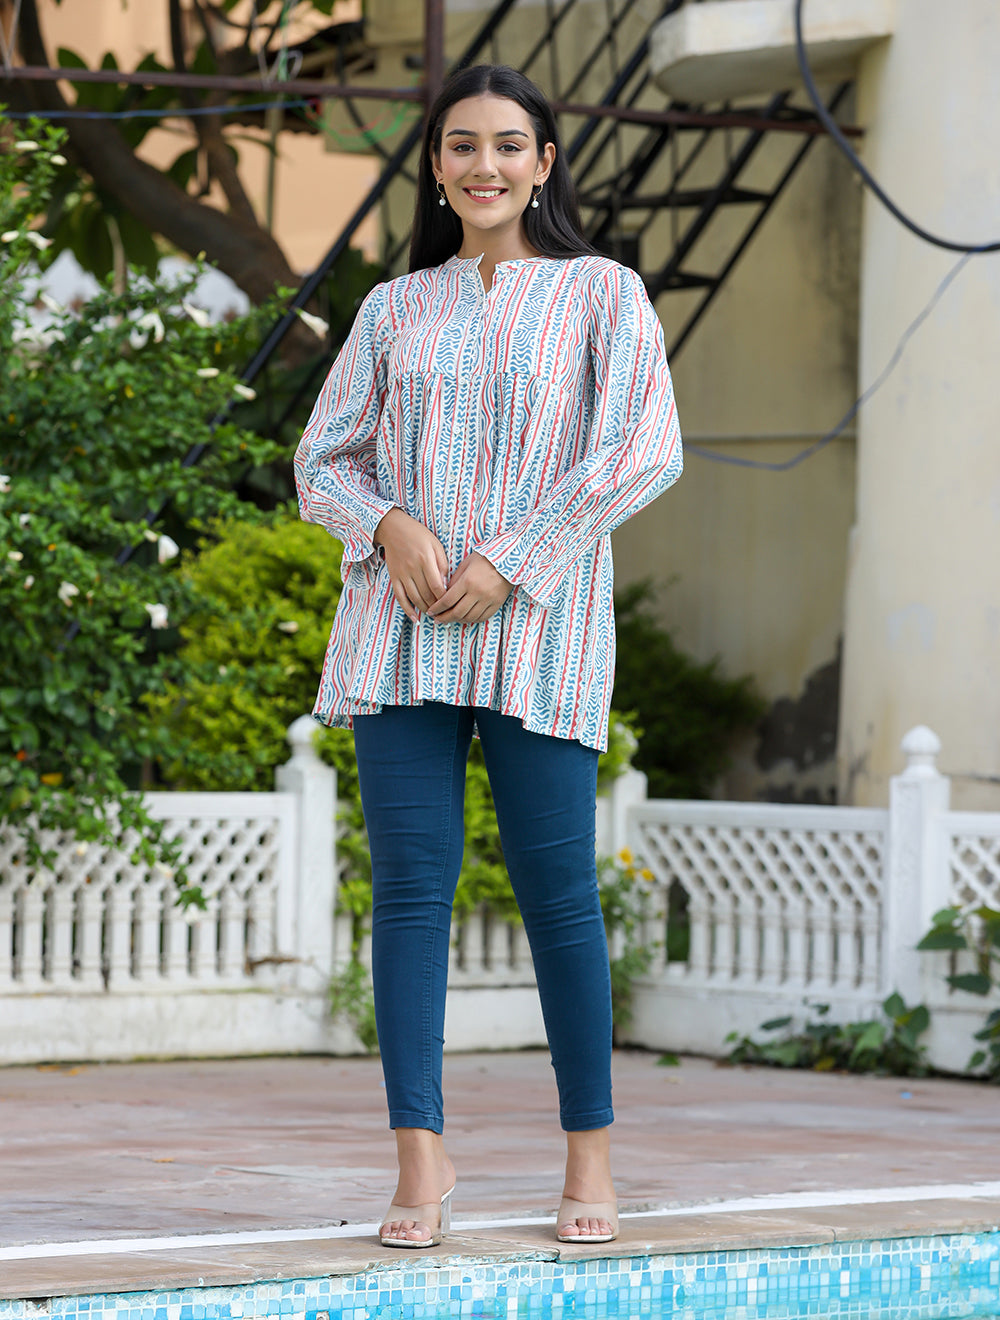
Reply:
x=252 y=650
x=886 y=1045
x=98 y=409
x=687 y=712
x=624 y=890
x=974 y=930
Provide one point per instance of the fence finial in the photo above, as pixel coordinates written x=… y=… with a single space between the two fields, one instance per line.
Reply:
x=921 y=747
x=300 y=738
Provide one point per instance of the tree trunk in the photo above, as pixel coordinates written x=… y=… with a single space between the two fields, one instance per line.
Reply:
x=234 y=242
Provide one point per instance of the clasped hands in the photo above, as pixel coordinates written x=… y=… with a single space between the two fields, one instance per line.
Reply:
x=418 y=569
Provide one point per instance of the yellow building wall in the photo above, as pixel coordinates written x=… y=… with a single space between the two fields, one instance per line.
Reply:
x=753 y=562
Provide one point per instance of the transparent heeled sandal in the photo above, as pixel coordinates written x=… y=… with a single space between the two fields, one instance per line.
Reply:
x=436 y=1217
x=570 y=1211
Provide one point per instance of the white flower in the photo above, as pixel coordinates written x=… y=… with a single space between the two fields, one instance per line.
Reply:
x=81 y=849
x=15 y=555
x=58 y=159
x=166 y=871
x=197 y=314
x=167 y=548
x=207 y=373
x=67 y=591
x=289 y=626
x=9 y=235
x=24 y=519
x=244 y=391
x=139 y=335
x=26 y=334
x=4 y=483
x=39 y=240
x=48 y=301
x=315 y=323
x=26 y=145
x=157 y=615
x=28 y=582
x=151 y=321
x=150 y=535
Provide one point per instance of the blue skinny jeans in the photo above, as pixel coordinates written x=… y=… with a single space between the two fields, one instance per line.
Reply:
x=411 y=764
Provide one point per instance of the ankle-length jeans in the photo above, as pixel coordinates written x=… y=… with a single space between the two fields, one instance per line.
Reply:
x=411 y=764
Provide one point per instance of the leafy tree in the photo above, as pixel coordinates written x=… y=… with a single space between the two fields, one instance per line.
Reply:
x=98 y=410
x=123 y=200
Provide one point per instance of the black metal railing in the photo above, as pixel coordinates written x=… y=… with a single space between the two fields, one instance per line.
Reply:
x=629 y=174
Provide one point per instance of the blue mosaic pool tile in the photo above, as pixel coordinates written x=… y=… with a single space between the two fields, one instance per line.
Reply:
x=908 y=1279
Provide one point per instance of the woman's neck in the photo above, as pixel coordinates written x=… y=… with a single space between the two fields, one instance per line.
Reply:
x=495 y=248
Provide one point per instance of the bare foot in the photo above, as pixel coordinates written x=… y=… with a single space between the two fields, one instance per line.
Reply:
x=588 y=1190
x=425 y=1175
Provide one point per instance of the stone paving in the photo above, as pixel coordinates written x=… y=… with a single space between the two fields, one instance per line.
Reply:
x=147 y=1150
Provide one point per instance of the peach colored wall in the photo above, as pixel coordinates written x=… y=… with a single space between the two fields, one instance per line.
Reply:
x=316 y=189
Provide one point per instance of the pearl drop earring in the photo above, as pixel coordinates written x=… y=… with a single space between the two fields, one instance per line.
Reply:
x=442 y=200
x=534 y=200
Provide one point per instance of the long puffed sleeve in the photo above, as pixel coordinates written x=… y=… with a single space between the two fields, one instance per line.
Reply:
x=335 y=463
x=633 y=451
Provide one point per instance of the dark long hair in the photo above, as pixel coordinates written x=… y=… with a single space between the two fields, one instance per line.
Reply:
x=554 y=229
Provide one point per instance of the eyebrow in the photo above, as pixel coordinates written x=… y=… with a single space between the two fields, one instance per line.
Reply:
x=470 y=132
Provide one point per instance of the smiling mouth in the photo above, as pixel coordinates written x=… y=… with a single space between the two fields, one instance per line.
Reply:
x=484 y=194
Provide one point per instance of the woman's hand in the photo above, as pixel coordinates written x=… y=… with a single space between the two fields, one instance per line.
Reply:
x=475 y=593
x=416 y=561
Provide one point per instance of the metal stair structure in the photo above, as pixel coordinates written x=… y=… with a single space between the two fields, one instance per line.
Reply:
x=674 y=190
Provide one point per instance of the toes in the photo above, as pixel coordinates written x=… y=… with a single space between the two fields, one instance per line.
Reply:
x=410 y=1229
x=585 y=1228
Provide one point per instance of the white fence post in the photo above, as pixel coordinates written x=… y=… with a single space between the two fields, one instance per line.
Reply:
x=315 y=787
x=612 y=811
x=916 y=881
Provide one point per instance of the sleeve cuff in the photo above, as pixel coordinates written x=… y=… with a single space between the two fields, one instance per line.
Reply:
x=542 y=588
x=361 y=544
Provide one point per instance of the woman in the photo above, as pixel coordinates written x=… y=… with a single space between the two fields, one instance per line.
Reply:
x=491 y=418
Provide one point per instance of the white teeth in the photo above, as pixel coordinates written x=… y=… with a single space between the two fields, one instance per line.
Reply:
x=484 y=192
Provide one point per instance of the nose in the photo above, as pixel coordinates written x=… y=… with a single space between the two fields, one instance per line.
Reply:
x=486 y=164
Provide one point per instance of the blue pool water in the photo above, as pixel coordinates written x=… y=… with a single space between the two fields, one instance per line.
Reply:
x=928 y=1278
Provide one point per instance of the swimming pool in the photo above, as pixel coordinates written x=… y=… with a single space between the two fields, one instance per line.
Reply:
x=919 y=1278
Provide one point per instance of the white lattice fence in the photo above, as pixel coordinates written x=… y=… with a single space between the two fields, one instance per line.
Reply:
x=97 y=920
x=969 y=844
x=973 y=859
x=97 y=961
x=774 y=896
x=779 y=907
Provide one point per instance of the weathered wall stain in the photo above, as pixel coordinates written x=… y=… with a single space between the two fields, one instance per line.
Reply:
x=799 y=735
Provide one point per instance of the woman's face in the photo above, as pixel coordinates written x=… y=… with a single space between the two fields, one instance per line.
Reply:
x=489 y=162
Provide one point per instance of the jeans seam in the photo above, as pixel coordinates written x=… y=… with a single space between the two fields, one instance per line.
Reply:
x=429 y=1051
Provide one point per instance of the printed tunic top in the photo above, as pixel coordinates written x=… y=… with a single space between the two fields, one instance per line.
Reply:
x=524 y=423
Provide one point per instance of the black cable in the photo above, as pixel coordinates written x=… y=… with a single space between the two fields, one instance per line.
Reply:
x=833 y=128
x=853 y=410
